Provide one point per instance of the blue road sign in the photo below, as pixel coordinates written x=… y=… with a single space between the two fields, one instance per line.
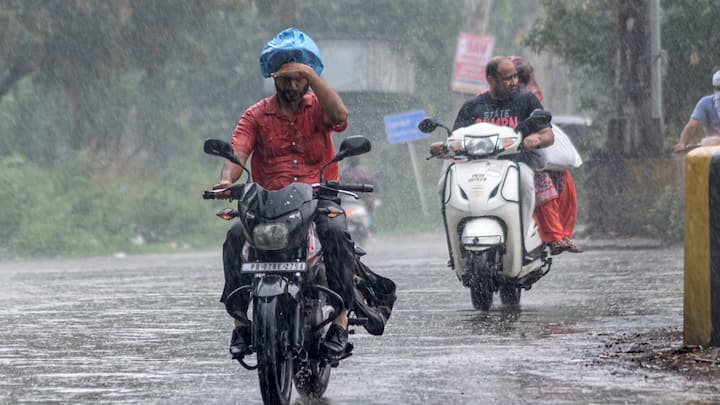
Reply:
x=402 y=127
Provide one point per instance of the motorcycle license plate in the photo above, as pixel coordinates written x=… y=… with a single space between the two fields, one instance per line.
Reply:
x=273 y=267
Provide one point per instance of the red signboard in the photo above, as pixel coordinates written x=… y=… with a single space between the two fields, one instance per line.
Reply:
x=473 y=54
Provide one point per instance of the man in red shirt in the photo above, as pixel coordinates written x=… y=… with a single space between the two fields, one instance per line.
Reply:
x=289 y=136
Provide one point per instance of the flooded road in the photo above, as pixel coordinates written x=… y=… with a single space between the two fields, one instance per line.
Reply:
x=150 y=329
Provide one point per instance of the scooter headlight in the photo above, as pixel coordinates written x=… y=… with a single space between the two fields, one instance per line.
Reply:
x=272 y=236
x=480 y=145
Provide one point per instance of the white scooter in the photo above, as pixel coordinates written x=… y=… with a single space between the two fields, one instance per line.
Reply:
x=358 y=218
x=482 y=214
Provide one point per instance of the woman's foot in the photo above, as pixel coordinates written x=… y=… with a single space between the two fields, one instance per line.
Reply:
x=572 y=246
x=559 y=246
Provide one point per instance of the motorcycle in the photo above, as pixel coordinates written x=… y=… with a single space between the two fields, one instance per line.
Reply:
x=480 y=205
x=292 y=305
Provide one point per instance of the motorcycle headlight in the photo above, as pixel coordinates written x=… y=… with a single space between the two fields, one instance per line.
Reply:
x=480 y=145
x=271 y=236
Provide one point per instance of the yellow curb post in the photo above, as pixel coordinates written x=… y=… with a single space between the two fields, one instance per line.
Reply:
x=702 y=247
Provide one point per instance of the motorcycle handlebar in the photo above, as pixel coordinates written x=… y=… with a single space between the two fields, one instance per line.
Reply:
x=236 y=191
x=230 y=193
x=211 y=195
x=334 y=185
x=359 y=188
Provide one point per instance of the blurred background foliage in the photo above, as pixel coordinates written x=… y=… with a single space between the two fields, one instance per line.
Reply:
x=104 y=105
x=584 y=35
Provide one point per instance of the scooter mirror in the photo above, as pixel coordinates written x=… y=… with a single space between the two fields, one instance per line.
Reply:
x=427 y=125
x=539 y=115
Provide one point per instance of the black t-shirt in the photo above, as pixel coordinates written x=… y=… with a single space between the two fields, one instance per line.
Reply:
x=509 y=113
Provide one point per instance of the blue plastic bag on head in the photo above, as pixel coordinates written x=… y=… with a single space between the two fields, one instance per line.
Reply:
x=291 y=45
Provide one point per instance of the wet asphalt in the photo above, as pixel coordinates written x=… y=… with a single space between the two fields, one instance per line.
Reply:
x=150 y=329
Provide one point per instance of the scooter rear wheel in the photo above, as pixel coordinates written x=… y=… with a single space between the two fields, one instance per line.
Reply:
x=510 y=295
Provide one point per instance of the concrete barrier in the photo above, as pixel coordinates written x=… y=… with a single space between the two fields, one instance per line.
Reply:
x=702 y=247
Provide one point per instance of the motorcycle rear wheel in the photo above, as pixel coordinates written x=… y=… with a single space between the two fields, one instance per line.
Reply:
x=481 y=288
x=274 y=354
x=314 y=381
x=313 y=376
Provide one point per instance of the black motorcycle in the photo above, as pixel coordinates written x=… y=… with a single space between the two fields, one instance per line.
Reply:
x=291 y=303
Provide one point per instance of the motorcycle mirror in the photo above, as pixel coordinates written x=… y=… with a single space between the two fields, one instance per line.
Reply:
x=353 y=146
x=221 y=148
x=427 y=125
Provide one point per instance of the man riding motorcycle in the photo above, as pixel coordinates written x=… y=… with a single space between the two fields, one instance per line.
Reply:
x=289 y=136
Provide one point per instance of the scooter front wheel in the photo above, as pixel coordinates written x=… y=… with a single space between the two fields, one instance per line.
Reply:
x=481 y=288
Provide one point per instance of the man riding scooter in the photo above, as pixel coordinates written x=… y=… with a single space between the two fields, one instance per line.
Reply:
x=487 y=191
x=504 y=105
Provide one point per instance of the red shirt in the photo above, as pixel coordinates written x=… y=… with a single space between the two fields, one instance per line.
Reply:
x=286 y=150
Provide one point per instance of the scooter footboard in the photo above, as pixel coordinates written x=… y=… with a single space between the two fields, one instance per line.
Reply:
x=482 y=233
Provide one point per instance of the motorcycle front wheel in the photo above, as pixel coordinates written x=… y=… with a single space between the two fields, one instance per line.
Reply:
x=274 y=354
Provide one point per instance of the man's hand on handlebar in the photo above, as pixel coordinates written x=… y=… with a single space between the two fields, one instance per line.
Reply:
x=439 y=150
x=220 y=186
x=532 y=141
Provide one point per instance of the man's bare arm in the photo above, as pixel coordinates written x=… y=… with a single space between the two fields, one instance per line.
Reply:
x=687 y=133
x=541 y=139
x=335 y=110
x=231 y=172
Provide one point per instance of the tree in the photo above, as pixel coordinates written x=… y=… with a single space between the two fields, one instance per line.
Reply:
x=83 y=47
x=584 y=34
x=625 y=188
x=71 y=42
x=689 y=37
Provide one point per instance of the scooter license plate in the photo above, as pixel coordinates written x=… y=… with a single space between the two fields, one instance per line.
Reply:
x=268 y=267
